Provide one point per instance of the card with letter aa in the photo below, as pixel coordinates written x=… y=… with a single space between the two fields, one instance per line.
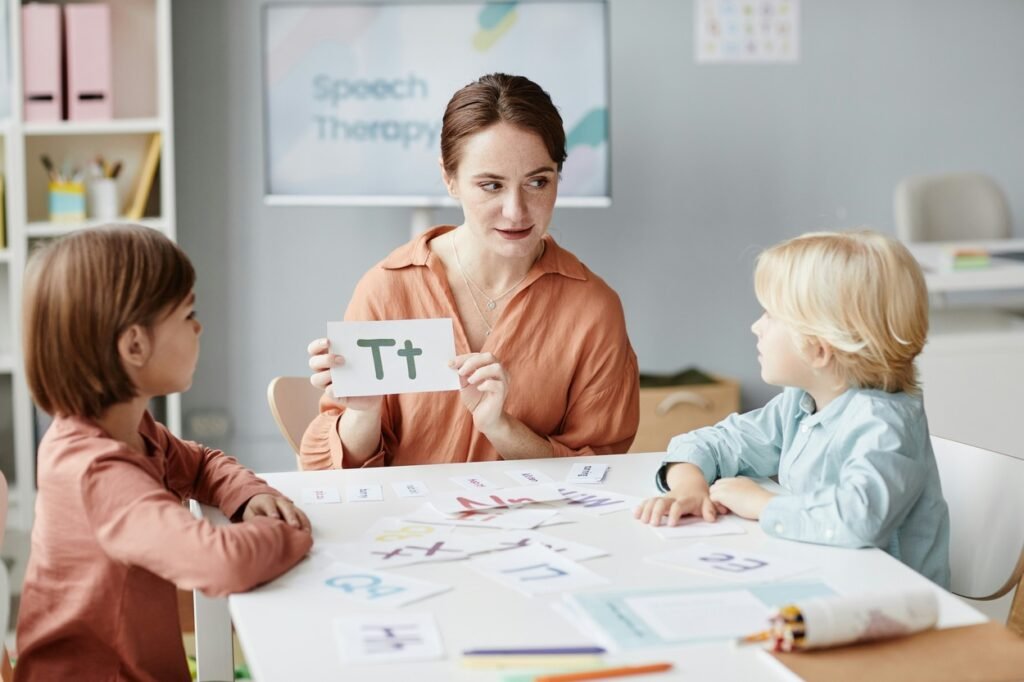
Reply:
x=729 y=563
x=535 y=569
x=388 y=637
x=393 y=529
x=587 y=472
x=371 y=586
x=393 y=356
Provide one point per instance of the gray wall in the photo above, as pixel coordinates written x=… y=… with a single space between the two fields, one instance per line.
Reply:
x=711 y=163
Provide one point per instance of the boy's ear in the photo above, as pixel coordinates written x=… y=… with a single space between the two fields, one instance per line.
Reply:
x=448 y=180
x=820 y=353
x=134 y=347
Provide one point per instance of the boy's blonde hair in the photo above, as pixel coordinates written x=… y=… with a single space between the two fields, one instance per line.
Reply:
x=860 y=292
x=81 y=293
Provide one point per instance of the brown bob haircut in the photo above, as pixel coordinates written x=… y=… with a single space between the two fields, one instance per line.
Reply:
x=81 y=293
x=500 y=98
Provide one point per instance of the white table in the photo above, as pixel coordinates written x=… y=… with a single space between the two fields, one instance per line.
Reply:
x=1001 y=274
x=286 y=631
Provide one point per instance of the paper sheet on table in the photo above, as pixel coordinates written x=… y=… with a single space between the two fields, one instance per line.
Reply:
x=731 y=564
x=452 y=503
x=696 y=527
x=522 y=518
x=597 y=502
x=393 y=356
x=385 y=555
x=574 y=551
x=680 y=617
x=534 y=570
x=394 y=528
x=368 y=585
x=388 y=637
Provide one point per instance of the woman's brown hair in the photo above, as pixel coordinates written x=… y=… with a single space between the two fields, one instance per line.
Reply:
x=500 y=98
x=81 y=293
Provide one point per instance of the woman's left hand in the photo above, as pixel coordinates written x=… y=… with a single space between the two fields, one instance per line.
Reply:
x=484 y=388
x=741 y=496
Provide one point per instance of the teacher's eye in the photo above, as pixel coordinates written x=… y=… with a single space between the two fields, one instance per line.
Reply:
x=490 y=186
x=192 y=315
x=539 y=183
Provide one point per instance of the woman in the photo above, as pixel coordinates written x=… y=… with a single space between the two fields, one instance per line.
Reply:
x=546 y=366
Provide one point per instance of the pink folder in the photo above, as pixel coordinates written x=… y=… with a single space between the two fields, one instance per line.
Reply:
x=87 y=32
x=42 y=61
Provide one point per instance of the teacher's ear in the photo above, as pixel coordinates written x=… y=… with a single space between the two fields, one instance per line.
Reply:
x=448 y=180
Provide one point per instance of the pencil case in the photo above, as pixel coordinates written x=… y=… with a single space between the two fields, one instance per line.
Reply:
x=834 y=621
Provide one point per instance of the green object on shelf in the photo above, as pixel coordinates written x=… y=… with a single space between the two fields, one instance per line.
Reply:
x=686 y=377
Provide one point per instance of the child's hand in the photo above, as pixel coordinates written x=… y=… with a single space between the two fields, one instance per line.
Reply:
x=741 y=496
x=675 y=506
x=276 y=507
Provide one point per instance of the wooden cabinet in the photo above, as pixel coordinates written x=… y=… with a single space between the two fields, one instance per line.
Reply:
x=669 y=411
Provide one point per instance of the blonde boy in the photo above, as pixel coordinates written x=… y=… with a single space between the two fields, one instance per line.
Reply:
x=845 y=316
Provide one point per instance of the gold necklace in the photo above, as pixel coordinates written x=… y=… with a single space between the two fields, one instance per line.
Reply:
x=492 y=303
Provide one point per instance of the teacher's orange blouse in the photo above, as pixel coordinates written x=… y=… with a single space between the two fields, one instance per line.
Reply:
x=562 y=340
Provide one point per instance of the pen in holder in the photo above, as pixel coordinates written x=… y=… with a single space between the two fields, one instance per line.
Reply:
x=103 y=198
x=67 y=202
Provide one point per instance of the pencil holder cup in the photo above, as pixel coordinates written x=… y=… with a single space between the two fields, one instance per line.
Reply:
x=103 y=199
x=67 y=202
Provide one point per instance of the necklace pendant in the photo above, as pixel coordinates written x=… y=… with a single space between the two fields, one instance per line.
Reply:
x=487 y=333
x=491 y=305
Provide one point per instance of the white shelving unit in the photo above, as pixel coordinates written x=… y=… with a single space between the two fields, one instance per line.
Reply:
x=142 y=81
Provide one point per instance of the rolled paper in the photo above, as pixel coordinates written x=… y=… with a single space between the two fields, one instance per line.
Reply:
x=833 y=621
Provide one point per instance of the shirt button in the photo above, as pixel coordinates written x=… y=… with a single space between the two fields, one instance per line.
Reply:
x=804 y=428
x=829 y=533
x=778 y=528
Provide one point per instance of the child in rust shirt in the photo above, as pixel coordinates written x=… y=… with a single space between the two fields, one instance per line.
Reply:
x=109 y=324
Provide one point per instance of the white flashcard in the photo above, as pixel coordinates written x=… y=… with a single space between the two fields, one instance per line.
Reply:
x=702 y=615
x=364 y=492
x=410 y=488
x=574 y=551
x=371 y=586
x=393 y=356
x=491 y=499
x=729 y=563
x=384 y=555
x=394 y=529
x=535 y=570
x=597 y=502
x=585 y=472
x=696 y=527
x=388 y=637
x=473 y=482
x=529 y=477
x=518 y=519
x=320 y=495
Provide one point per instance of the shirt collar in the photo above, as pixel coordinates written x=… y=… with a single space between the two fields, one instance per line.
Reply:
x=827 y=415
x=554 y=260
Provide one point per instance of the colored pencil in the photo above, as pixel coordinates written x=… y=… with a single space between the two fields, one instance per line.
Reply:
x=537 y=651
x=606 y=673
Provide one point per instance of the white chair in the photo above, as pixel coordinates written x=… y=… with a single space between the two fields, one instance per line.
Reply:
x=294 y=402
x=986 y=510
x=951 y=207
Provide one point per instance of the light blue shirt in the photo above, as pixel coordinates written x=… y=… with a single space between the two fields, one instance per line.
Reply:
x=859 y=473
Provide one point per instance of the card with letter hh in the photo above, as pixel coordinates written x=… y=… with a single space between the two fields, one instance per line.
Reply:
x=388 y=637
x=393 y=356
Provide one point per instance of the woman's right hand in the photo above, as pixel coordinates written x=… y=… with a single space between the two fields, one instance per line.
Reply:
x=321 y=361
